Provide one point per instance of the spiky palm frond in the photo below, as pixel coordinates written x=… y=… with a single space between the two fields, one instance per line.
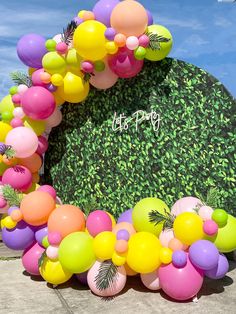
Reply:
x=68 y=32
x=167 y=219
x=21 y=78
x=212 y=198
x=156 y=40
x=106 y=276
x=12 y=196
x=10 y=152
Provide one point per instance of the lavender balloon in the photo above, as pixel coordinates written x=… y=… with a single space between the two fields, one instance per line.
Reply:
x=179 y=259
x=110 y=33
x=41 y=233
x=31 y=49
x=204 y=255
x=126 y=216
x=220 y=270
x=150 y=18
x=103 y=10
x=19 y=238
x=123 y=234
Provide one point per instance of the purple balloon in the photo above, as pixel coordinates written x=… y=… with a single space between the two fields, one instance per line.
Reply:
x=41 y=233
x=123 y=234
x=204 y=255
x=179 y=259
x=150 y=18
x=19 y=238
x=103 y=10
x=78 y=20
x=110 y=33
x=82 y=278
x=220 y=270
x=52 y=88
x=31 y=49
x=126 y=216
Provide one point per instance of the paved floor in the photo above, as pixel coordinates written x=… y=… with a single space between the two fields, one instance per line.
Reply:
x=20 y=293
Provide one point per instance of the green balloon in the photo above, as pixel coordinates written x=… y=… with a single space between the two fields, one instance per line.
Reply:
x=51 y=45
x=13 y=90
x=140 y=53
x=45 y=242
x=99 y=66
x=76 y=252
x=3 y=168
x=141 y=211
x=165 y=47
x=54 y=63
x=220 y=217
x=225 y=240
x=6 y=104
x=7 y=116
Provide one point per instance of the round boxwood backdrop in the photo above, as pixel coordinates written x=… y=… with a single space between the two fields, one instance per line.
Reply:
x=88 y=162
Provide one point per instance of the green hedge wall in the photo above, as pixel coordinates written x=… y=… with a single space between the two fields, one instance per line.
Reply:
x=193 y=150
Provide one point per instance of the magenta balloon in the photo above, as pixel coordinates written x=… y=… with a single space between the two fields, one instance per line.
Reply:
x=126 y=216
x=103 y=10
x=43 y=145
x=19 y=238
x=181 y=283
x=19 y=177
x=124 y=64
x=38 y=103
x=36 y=79
x=97 y=222
x=31 y=49
x=220 y=270
x=30 y=259
x=48 y=189
x=204 y=254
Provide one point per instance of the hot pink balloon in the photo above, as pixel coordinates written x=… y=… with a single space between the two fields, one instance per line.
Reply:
x=36 y=79
x=115 y=288
x=124 y=64
x=19 y=177
x=31 y=257
x=38 y=103
x=42 y=145
x=186 y=204
x=181 y=283
x=104 y=79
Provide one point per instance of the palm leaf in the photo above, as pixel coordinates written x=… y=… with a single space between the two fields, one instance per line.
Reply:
x=68 y=32
x=41 y=259
x=106 y=276
x=156 y=40
x=13 y=197
x=9 y=152
x=167 y=219
x=212 y=198
x=21 y=78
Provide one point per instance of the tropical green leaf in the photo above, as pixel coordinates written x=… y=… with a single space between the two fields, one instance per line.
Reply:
x=107 y=275
x=155 y=217
x=13 y=197
x=21 y=78
x=155 y=40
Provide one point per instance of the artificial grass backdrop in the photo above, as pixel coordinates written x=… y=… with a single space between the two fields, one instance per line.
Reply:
x=193 y=150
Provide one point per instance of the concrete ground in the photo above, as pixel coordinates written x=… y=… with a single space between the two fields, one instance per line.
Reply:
x=21 y=293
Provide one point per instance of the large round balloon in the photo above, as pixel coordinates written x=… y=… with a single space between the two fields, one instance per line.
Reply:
x=129 y=18
x=204 y=255
x=225 y=240
x=165 y=46
x=97 y=222
x=30 y=259
x=144 y=252
x=76 y=252
x=103 y=10
x=143 y=209
x=38 y=103
x=124 y=63
x=104 y=79
x=90 y=41
x=19 y=177
x=54 y=63
x=5 y=128
x=31 y=49
x=220 y=270
x=186 y=204
x=181 y=283
x=104 y=245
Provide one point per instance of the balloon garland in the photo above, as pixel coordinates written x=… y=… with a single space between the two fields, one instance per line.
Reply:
x=171 y=249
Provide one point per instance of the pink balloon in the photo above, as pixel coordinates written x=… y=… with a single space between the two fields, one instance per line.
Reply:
x=97 y=222
x=23 y=140
x=151 y=281
x=19 y=177
x=117 y=286
x=38 y=103
x=124 y=63
x=48 y=189
x=186 y=204
x=205 y=212
x=18 y=113
x=31 y=257
x=55 y=119
x=42 y=145
x=104 y=79
x=166 y=236
x=36 y=79
x=181 y=283
x=52 y=252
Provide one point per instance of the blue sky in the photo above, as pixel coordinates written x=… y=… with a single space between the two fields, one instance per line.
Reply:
x=204 y=31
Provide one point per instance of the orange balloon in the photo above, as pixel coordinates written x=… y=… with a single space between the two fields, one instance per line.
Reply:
x=16 y=215
x=66 y=219
x=33 y=163
x=129 y=271
x=88 y=15
x=121 y=246
x=129 y=18
x=35 y=177
x=36 y=207
x=176 y=245
x=124 y=225
x=120 y=40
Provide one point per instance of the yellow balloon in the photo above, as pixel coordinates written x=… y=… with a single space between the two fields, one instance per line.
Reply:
x=53 y=272
x=188 y=228
x=59 y=100
x=73 y=60
x=166 y=255
x=144 y=252
x=57 y=79
x=104 y=245
x=6 y=104
x=111 y=47
x=90 y=41
x=38 y=126
x=112 y=220
x=129 y=272
x=2 y=220
x=4 y=130
x=74 y=89
x=81 y=13
x=3 y=167
x=9 y=223
x=118 y=259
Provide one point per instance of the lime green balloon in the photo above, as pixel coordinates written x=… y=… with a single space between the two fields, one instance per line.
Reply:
x=220 y=217
x=6 y=105
x=76 y=252
x=99 y=66
x=7 y=116
x=13 y=90
x=141 y=211
x=165 y=47
x=45 y=242
x=51 y=45
x=73 y=60
x=226 y=238
x=54 y=63
x=140 y=53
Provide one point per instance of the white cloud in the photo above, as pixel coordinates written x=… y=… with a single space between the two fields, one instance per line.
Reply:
x=193 y=24
x=222 y=22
